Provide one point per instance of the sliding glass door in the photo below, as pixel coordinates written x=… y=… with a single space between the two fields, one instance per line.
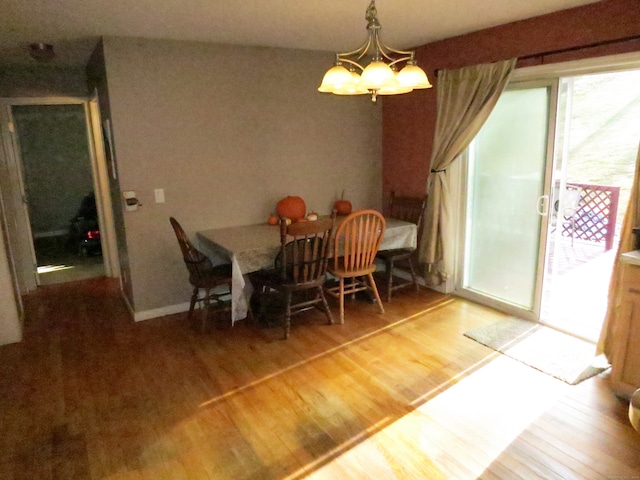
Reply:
x=507 y=200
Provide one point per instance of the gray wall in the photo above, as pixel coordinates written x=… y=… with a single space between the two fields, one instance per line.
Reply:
x=227 y=131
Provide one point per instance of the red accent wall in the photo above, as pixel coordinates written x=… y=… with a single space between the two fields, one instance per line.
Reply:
x=408 y=121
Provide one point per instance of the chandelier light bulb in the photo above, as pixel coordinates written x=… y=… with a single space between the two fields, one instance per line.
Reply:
x=377 y=75
x=354 y=88
x=414 y=77
x=336 y=78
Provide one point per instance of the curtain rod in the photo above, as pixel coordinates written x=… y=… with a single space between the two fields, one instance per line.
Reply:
x=580 y=47
x=569 y=49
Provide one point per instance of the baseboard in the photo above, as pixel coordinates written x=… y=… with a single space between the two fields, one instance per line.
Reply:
x=160 y=312
x=445 y=287
x=126 y=301
x=153 y=313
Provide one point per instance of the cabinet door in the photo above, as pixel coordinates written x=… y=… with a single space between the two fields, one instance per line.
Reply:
x=631 y=368
x=625 y=369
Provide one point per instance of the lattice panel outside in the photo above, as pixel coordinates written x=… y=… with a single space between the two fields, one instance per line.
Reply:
x=595 y=220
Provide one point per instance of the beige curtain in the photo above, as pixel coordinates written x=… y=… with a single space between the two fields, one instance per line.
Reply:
x=606 y=343
x=466 y=97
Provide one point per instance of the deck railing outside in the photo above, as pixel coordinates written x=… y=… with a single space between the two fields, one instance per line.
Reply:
x=595 y=219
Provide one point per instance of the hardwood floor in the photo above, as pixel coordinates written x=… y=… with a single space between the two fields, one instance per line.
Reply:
x=91 y=394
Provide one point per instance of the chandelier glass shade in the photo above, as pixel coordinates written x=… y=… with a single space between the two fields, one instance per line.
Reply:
x=382 y=76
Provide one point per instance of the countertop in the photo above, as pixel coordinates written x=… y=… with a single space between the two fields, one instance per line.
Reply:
x=632 y=257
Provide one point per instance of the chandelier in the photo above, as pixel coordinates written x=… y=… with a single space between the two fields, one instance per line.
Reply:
x=382 y=75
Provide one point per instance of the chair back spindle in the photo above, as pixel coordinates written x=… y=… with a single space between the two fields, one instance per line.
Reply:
x=408 y=209
x=300 y=268
x=304 y=250
x=356 y=243
x=197 y=263
x=203 y=275
x=357 y=240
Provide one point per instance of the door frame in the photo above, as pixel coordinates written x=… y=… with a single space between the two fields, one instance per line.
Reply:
x=495 y=303
x=21 y=246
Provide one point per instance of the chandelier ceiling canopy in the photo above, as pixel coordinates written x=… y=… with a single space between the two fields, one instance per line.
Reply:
x=350 y=75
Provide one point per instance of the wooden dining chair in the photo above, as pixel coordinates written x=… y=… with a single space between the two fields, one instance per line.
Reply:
x=203 y=275
x=408 y=209
x=300 y=268
x=356 y=243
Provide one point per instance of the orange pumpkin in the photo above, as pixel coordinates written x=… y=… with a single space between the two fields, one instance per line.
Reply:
x=273 y=220
x=342 y=206
x=291 y=207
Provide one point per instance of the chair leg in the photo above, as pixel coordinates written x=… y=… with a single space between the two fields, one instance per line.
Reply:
x=325 y=305
x=341 y=288
x=352 y=288
x=389 y=267
x=287 y=316
x=413 y=275
x=207 y=305
x=373 y=286
x=192 y=305
x=250 y=316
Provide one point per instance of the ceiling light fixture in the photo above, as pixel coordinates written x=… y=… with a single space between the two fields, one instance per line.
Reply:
x=41 y=52
x=349 y=77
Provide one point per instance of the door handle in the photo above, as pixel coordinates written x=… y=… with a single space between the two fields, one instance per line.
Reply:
x=542 y=205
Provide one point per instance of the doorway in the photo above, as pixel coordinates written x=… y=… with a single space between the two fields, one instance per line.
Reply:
x=47 y=143
x=596 y=147
x=540 y=238
x=53 y=148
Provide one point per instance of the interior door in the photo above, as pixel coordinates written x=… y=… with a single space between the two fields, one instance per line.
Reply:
x=507 y=200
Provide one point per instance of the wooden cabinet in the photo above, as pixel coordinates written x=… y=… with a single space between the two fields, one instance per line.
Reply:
x=625 y=364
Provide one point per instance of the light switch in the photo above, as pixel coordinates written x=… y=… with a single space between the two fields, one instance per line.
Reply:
x=131 y=203
x=159 y=194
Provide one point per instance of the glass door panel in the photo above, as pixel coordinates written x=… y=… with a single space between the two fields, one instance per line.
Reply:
x=506 y=202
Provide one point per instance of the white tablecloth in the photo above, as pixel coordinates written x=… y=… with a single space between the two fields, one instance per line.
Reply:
x=254 y=247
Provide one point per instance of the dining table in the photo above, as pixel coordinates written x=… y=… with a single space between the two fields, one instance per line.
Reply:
x=251 y=248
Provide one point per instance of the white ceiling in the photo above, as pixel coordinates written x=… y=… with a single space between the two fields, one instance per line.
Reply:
x=74 y=26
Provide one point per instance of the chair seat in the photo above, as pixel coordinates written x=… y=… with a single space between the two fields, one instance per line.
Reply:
x=218 y=275
x=340 y=271
x=272 y=278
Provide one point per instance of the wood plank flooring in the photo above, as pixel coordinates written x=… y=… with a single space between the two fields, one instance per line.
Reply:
x=91 y=394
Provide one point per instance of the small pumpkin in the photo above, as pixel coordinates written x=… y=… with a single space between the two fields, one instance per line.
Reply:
x=312 y=216
x=292 y=207
x=342 y=206
x=273 y=220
